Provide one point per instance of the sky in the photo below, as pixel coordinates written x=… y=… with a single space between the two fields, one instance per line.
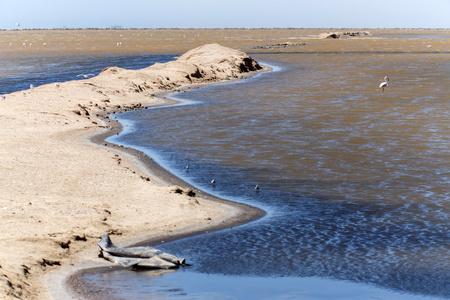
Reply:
x=224 y=14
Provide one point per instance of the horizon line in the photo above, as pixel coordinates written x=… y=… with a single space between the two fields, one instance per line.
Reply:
x=216 y=28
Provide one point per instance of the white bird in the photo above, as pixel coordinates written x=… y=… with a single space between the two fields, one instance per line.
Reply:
x=85 y=75
x=57 y=85
x=384 y=83
x=256 y=188
x=213 y=182
x=18 y=24
x=3 y=97
x=31 y=87
x=187 y=167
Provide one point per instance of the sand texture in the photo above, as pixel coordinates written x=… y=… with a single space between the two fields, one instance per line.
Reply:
x=60 y=192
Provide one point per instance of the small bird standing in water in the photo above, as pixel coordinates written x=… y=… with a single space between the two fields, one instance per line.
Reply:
x=85 y=75
x=384 y=84
x=213 y=182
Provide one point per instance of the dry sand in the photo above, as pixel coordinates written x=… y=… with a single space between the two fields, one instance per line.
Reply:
x=60 y=191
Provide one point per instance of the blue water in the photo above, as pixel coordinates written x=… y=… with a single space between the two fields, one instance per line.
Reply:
x=39 y=70
x=187 y=285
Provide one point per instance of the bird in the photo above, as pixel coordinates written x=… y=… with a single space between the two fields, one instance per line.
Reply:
x=85 y=75
x=384 y=83
x=187 y=167
x=256 y=188
x=3 y=97
x=56 y=85
x=31 y=87
x=213 y=182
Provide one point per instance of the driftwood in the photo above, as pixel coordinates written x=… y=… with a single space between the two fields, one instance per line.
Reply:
x=145 y=257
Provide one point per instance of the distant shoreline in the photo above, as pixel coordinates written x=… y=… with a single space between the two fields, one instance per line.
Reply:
x=237 y=28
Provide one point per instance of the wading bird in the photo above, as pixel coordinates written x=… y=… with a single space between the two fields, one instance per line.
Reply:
x=85 y=75
x=384 y=83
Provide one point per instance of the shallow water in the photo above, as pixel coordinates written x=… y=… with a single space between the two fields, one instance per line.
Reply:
x=355 y=181
x=193 y=286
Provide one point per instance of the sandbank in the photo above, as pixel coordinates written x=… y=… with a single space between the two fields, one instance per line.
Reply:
x=63 y=187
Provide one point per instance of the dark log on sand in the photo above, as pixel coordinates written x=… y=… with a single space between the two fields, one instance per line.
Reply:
x=146 y=257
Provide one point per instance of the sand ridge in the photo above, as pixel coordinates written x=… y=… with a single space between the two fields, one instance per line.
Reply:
x=60 y=194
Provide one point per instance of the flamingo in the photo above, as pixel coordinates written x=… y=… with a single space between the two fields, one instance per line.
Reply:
x=384 y=83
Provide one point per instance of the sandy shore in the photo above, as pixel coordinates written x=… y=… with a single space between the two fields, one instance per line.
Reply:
x=63 y=187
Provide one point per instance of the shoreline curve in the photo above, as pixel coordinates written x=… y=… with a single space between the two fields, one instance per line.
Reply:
x=243 y=213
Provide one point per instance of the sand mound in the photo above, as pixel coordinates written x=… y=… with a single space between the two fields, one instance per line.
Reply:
x=207 y=63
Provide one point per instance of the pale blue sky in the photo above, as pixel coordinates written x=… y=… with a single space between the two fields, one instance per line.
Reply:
x=226 y=13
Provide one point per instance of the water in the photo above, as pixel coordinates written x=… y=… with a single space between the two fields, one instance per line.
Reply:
x=355 y=182
x=42 y=70
x=193 y=286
